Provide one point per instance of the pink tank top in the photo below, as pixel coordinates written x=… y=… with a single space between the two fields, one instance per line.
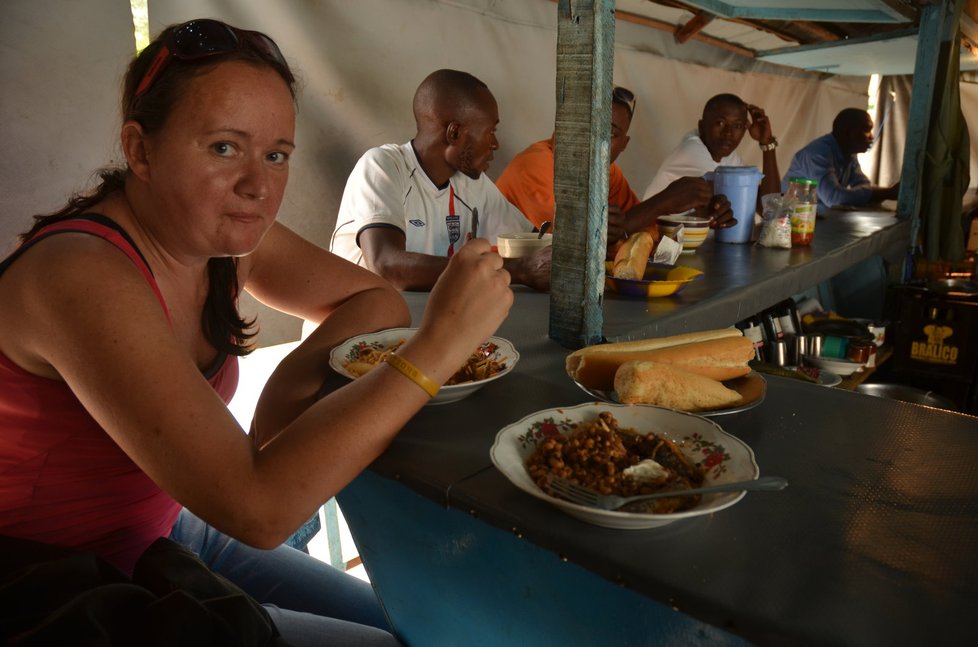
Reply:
x=63 y=480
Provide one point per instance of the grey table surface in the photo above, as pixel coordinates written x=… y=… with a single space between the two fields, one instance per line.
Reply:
x=872 y=542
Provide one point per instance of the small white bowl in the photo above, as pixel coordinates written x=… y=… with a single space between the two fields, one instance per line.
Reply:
x=521 y=244
x=695 y=229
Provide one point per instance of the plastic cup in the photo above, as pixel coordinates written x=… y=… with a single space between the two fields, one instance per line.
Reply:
x=739 y=184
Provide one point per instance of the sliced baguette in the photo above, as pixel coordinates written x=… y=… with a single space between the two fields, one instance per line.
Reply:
x=721 y=357
x=632 y=258
x=653 y=343
x=668 y=386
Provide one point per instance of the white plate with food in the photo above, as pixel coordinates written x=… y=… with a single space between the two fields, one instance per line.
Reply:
x=825 y=378
x=493 y=359
x=751 y=387
x=707 y=455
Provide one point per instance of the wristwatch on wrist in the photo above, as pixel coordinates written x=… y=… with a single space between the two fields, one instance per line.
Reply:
x=770 y=146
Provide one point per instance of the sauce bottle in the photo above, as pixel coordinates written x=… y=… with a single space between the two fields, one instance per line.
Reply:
x=787 y=313
x=751 y=327
x=799 y=204
x=771 y=326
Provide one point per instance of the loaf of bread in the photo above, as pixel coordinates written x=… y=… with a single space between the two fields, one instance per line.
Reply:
x=670 y=386
x=632 y=258
x=720 y=354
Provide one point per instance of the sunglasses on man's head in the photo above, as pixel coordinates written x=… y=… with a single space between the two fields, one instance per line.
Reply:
x=199 y=39
x=625 y=97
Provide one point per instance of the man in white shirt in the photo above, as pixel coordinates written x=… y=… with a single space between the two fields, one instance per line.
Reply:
x=407 y=208
x=726 y=118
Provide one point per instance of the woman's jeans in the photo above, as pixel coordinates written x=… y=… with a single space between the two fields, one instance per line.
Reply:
x=310 y=602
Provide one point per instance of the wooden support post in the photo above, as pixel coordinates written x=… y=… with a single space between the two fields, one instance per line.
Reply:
x=582 y=134
x=938 y=24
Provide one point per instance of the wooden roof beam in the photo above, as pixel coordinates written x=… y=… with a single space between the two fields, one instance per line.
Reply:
x=971 y=9
x=694 y=26
x=768 y=26
x=816 y=30
x=969 y=27
x=709 y=40
x=905 y=9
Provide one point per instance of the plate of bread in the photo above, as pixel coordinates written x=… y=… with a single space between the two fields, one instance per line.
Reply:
x=633 y=274
x=703 y=372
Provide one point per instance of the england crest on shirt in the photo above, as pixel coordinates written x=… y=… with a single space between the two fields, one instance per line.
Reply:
x=454 y=228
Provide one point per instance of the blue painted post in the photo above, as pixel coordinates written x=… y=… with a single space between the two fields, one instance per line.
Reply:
x=582 y=132
x=938 y=23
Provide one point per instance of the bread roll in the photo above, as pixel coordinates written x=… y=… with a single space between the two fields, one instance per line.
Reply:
x=670 y=386
x=653 y=343
x=720 y=359
x=721 y=354
x=632 y=258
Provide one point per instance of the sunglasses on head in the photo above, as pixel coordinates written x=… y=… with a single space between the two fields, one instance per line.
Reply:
x=199 y=39
x=625 y=97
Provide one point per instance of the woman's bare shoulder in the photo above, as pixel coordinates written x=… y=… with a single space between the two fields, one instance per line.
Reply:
x=88 y=285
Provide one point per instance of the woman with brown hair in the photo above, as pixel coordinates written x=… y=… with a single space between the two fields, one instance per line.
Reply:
x=115 y=368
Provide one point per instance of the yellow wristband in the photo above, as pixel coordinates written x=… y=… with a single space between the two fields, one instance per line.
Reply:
x=413 y=373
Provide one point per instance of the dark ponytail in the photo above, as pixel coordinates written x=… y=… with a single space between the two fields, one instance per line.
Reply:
x=220 y=321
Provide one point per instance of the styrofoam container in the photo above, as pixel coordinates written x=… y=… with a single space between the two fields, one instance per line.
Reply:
x=521 y=244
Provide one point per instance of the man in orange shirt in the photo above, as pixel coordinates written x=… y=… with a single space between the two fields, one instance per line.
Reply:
x=528 y=182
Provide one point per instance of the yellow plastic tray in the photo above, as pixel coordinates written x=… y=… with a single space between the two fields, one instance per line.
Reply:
x=659 y=281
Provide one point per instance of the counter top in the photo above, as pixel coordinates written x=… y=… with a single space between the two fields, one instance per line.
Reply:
x=871 y=543
x=741 y=279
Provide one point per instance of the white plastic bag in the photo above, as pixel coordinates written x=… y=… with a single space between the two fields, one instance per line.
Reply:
x=668 y=250
x=776 y=225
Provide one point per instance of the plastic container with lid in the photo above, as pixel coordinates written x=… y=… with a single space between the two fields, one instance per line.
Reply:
x=800 y=204
x=739 y=184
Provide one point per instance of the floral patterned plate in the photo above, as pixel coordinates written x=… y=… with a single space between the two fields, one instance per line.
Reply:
x=496 y=348
x=723 y=457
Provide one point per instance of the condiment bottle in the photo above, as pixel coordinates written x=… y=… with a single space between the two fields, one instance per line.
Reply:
x=800 y=203
x=772 y=326
x=753 y=331
x=787 y=313
x=862 y=351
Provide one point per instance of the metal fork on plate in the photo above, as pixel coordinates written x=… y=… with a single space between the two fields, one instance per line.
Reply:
x=586 y=496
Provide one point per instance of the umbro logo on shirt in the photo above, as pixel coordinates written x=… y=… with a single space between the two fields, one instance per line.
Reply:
x=416 y=222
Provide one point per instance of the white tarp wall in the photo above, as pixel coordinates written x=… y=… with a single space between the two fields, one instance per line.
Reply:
x=61 y=63
x=61 y=66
